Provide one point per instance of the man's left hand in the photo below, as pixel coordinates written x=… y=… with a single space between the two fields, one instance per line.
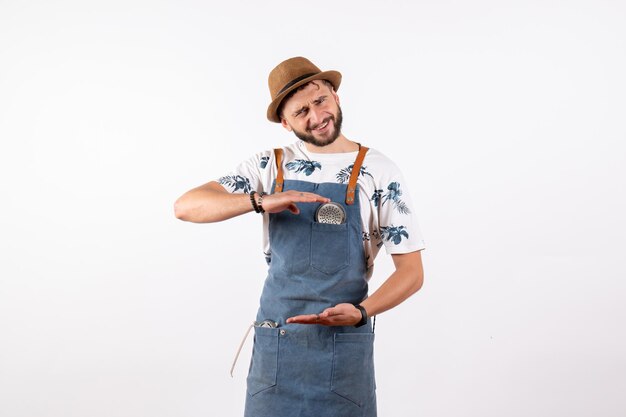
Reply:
x=343 y=314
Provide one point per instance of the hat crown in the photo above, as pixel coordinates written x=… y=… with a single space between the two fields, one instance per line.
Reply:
x=291 y=74
x=289 y=71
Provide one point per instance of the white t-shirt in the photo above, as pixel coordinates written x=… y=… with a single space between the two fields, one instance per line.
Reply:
x=387 y=212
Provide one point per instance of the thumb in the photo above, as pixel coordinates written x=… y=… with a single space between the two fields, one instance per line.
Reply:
x=293 y=208
x=329 y=312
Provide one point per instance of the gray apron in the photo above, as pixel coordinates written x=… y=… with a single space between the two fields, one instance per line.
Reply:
x=309 y=370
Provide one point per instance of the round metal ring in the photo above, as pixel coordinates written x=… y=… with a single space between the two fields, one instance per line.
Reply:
x=331 y=213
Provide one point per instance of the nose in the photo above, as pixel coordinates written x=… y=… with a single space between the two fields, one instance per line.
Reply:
x=315 y=117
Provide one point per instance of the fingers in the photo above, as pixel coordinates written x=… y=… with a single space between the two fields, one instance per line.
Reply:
x=296 y=195
x=305 y=319
x=305 y=197
x=286 y=200
x=330 y=317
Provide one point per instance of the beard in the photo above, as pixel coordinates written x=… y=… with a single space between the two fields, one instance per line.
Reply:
x=309 y=137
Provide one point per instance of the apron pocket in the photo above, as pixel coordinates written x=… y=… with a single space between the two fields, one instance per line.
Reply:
x=329 y=247
x=353 y=367
x=264 y=364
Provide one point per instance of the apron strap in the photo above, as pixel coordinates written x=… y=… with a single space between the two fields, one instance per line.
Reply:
x=354 y=175
x=278 y=152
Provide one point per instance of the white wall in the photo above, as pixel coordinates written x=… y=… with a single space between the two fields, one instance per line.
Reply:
x=507 y=118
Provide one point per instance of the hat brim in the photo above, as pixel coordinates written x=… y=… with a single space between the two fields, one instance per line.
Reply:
x=334 y=77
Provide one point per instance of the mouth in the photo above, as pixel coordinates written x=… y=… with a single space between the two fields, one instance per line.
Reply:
x=322 y=126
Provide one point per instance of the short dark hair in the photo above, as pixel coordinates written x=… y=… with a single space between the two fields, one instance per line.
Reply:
x=279 y=110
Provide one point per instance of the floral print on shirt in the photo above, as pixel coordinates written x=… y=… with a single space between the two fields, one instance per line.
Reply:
x=344 y=175
x=236 y=182
x=303 y=165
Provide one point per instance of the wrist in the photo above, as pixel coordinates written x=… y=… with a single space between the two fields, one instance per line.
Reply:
x=260 y=201
x=257 y=202
x=363 y=312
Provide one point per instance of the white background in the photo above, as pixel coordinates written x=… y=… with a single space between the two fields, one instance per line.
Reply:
x=507 y=119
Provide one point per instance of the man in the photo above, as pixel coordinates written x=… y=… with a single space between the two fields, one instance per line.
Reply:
x=328 y=205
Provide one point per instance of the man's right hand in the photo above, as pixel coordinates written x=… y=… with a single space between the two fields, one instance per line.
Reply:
x=275 y=203
x=211 y=202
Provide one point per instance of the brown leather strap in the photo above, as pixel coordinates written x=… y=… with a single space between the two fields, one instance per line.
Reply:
x=354 y=175
x=279 y=175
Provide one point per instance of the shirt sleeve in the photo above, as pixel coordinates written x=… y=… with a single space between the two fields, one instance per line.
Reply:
x=247 y=176
x=398 y=224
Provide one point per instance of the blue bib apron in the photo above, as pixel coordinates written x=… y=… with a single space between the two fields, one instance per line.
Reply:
x=309 y=370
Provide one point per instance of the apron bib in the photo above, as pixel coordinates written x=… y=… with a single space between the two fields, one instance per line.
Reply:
x=310 y=370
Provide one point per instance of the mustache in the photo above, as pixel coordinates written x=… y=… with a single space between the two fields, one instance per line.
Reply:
x=329 y=118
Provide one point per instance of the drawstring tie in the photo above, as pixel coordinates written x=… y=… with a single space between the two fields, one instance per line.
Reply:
x=232 y=368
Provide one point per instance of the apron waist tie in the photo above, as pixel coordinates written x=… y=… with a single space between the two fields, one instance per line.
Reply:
x=265 y=323
x=245 y=336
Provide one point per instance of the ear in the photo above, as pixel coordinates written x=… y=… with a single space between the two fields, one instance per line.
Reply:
x=285 y=124
x=335 y=96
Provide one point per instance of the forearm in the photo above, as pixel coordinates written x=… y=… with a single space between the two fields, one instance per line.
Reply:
x=401 y=284
x=210 y=203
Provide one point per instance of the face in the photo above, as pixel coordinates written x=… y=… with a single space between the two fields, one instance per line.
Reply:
x=313 y=114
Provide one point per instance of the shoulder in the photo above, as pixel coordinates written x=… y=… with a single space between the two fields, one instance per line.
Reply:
x=377 y=161
x=267 y=158
x=288 y=151
x=258 y=160
x=292 y=151
x=375 y=155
